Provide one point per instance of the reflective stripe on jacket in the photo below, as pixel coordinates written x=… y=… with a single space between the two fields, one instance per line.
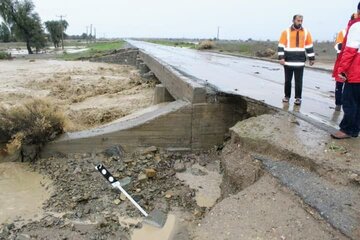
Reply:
x=295 y=45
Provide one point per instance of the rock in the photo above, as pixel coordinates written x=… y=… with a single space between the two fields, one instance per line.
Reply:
x=197 y=213
x=129 y=160
x=169 y=194
x=77 y=170
x=137 y=197
x=29 y=152
x=87 y=210
x=198 y=172
x=138 y=225
x=148 y=75
x=117 y=201
x=142 y=177
x=126 y=183
x=355 y=177
x=22 y=237
x=157 y=158
x=81 y=199
x=10 y=226
x=114 y=151
x=149 y=156
x=179 y=166
x=148 y=150
x=150 y=173
x=122 y=197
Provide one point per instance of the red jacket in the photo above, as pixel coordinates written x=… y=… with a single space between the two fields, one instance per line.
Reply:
x=348 y=61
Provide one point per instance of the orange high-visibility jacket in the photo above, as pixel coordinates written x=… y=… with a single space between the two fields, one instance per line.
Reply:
x=295 y=45
x=339 y=40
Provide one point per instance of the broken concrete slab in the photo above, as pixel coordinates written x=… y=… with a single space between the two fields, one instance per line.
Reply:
x=339 y=205
x=262 y=211
x=284 y=136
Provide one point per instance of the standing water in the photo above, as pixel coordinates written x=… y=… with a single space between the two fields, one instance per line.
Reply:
x=22 y=192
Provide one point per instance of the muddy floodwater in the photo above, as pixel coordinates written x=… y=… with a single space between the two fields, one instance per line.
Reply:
x=22 y=192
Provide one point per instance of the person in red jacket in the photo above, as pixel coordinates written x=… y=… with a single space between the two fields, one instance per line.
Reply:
x=339 y=81
x=347 y=67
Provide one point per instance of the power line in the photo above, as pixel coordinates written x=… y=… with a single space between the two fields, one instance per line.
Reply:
x=62 y=30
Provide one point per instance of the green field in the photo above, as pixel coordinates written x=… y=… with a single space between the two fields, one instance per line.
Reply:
x=94 y=50
x=324 y=50
x=172 y=43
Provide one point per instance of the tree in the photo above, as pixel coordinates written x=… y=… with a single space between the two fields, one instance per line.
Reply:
x=56 y=30
x=25 y=23
x=5 y=34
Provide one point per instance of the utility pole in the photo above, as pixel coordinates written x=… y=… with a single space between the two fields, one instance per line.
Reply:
x=90 y=33
x=87 y=32
x=94 y=34
x=62 y=31
x=218 y=33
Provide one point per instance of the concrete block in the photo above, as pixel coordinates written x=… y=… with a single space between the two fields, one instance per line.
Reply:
x=162 y=95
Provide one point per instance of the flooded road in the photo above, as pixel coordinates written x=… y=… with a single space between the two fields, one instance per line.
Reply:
x=22 y=192
x=259 y=80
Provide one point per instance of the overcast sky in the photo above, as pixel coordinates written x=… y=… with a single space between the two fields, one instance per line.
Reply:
x=238 y=19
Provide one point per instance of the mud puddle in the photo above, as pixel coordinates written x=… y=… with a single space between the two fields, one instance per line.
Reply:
x=22 y=192
x=148 y=232
x=205 y=182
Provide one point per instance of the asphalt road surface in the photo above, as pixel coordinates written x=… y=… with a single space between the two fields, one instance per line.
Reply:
x=256 y=79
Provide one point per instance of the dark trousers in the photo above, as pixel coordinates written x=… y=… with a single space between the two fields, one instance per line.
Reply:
x=338 y=93
x=350 y=123
x=289 y=72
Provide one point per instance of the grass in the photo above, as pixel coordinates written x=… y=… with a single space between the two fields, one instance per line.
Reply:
x=17 y=45
x=247 y=48
x=324 y=50
x=94 y=50
x=35 y=122
x=172 y=43
x=4 y=55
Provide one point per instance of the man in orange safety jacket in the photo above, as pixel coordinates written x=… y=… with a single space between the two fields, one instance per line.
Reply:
x=295 y=45
x=339 y=39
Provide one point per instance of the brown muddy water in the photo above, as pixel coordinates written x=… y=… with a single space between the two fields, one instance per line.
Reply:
x=148 y=232
x=205 y=182
x=22 y=192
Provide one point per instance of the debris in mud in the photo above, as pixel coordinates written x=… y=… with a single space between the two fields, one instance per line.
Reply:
x=355 y=178
x=337 y=148
x=84 y=206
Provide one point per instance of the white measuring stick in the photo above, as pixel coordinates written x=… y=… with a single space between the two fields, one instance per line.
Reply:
x=117 y=185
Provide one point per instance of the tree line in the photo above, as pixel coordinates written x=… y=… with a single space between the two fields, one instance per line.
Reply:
x=22 y=23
